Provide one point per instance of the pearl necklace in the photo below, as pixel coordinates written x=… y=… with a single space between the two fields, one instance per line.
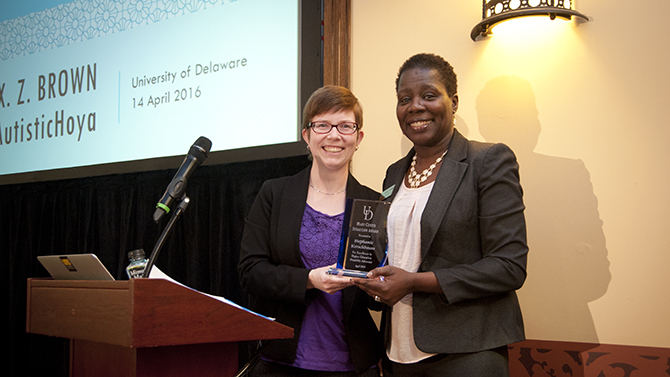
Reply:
x=327 y=193
x=415 y=179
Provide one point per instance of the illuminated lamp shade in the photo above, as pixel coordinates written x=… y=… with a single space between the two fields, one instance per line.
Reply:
x=497 y=11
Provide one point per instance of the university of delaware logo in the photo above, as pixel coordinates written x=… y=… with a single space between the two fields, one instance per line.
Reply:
x=367 y=213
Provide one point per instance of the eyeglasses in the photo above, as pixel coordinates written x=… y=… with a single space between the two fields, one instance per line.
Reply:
x=345 y=128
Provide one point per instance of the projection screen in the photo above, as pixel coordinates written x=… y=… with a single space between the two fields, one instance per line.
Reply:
x=98 y=87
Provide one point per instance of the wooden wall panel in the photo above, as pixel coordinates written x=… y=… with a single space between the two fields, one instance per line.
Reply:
x=336 y=42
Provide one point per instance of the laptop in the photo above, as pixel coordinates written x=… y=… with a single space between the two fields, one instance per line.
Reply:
x=75 y=267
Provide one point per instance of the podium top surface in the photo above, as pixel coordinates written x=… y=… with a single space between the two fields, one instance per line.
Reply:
x=140 y=313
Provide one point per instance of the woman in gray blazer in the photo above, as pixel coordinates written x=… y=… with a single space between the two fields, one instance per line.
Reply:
x=457 y=239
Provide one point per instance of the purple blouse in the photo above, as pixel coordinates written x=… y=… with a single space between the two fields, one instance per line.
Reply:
x=322 y=344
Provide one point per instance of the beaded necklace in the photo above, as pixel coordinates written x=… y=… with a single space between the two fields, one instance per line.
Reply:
x=416 y=179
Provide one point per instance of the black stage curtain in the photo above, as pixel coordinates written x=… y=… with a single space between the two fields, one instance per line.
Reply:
x=112 y=215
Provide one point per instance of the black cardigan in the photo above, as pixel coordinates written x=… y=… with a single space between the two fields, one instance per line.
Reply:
x=271 y=270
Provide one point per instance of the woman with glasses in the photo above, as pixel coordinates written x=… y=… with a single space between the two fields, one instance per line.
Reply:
x=292 y=237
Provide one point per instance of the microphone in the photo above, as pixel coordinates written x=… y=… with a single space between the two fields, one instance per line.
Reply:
x=176 y=189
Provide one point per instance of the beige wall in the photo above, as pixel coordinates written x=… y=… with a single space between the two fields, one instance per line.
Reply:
x=586 y=108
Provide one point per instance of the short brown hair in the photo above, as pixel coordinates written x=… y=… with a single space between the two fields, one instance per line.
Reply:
x=331 y=98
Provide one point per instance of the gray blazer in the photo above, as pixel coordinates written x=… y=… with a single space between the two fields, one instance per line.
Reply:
x=473 y=237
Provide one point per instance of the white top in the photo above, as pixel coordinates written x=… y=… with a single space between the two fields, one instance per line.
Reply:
x=404 y=251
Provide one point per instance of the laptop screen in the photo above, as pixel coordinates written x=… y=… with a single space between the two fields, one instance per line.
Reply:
x=75 y=267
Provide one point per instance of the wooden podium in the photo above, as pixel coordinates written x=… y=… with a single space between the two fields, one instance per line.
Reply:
x=144 y=327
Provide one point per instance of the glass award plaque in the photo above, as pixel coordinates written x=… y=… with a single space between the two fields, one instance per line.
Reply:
x=364 y=241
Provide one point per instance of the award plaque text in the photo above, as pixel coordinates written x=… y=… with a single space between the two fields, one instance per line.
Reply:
x=364 y=240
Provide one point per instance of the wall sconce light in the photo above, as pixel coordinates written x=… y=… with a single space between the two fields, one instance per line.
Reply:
x=497 y=11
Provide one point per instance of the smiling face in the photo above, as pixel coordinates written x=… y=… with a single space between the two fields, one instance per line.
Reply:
x=332 y=151
x=424 y=109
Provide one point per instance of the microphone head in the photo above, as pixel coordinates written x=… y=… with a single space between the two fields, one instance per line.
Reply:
x=200 y=149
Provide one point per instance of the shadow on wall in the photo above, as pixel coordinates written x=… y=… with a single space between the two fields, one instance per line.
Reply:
x=567 y=261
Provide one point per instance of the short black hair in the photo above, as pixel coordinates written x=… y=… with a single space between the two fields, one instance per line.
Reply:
x=431 y=61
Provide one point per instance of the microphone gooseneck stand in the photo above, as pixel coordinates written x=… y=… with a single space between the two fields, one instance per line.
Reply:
x=181 y=207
